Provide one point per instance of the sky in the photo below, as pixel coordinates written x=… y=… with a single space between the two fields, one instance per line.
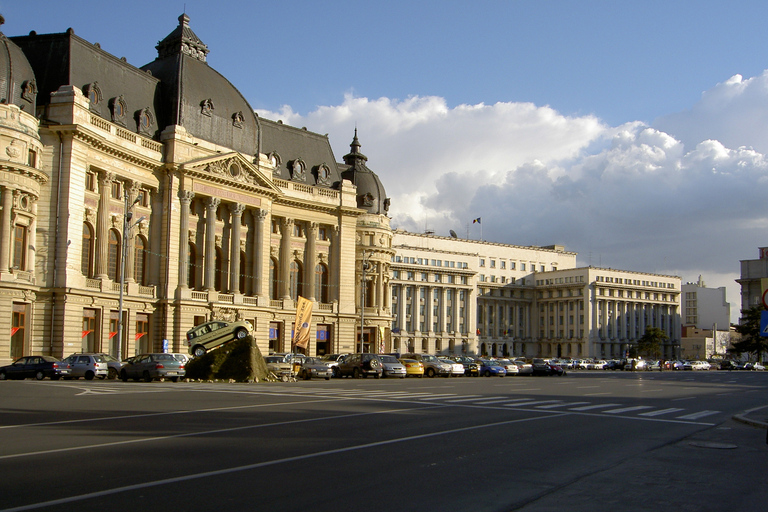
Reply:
x=632 y=133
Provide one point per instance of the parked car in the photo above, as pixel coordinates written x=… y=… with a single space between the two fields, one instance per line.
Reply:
x=614 y=364
x=727 y=364
x=314 y=367
x=432 y=365
x=87 y=366
x=651 y=366
x=184 y=358
x=556 y=369
x=361 y=365
x=210 y=335
x=153 y=366
x=673 y=365
x=332 y=360
x=696 y=365
x=565 y=364
x=509 y=366
x=38 y=367
x=393 y=367
x=278 y=365
x=113 y=365
x=597 y=365
x=413 y=368
x=489 y=367
x=634 y=365
x=541 y=367
x=457 y=369
x=470 y=366
x=523 y=367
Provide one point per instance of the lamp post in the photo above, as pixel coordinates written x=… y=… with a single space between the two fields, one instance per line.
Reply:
x=127 y=226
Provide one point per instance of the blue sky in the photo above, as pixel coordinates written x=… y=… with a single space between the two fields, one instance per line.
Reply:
x=634 y=133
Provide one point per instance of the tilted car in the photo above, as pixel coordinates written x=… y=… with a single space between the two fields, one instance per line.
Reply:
x=210 y=335
x=153 y=366
x=38 y=367
x=361 y=365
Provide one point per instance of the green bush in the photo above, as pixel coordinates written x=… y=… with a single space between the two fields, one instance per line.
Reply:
x=238 y=360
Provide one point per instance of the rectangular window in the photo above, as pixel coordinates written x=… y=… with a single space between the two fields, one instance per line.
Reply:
x=20 y=247
x=116 y=190
x=90 y=181
x=32 y=158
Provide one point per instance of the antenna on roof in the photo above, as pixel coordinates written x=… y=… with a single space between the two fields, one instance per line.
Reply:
x=453 y=233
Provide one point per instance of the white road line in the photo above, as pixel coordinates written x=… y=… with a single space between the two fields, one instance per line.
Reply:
x=565 y=404
x=697 y=415
x=593 y=407
x=628 y=409
x=467 y=399
x=526 y=404
x=258 y=465
x=660 y=412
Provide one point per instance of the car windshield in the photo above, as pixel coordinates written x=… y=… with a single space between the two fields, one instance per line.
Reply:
x=273 y=359
x=109 y=358
x=428 y=359
x=389 y=359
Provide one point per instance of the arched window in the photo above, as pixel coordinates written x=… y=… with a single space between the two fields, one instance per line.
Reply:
x=218 y=270
x=296 y=280
x=321 y=283
x=140 y=260
x=113 y=261
x=274 y=287
x=192 y=266
x=86 y=258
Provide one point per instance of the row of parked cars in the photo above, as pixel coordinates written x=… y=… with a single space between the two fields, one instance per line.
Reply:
x=403 y=365
x=91 y=366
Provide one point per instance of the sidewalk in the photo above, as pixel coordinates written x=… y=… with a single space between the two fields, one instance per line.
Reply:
x=757 y=417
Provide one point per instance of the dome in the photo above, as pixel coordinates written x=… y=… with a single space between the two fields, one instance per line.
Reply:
x=199 y=98
x=17 y=80
x=371 y=195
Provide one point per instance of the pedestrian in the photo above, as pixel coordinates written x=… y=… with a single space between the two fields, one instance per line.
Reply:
x=661 y=365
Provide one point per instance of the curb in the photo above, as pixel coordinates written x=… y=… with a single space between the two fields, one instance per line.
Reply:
x=743 y=418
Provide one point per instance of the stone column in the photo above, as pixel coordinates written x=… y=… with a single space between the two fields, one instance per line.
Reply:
x=6 y=230
x=102 y=225
x=185 y=198
x=31 y=237
x=310 y=261
x=286 y=229
x=128 y=239
x=209 y=257
x=260 y=241
x=236 y=209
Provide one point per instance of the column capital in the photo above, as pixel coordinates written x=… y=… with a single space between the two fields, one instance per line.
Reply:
x=236 y=209
x=186 y=196
x=261 y=215
x=212 y=203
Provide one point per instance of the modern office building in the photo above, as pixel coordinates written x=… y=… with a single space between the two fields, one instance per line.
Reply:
x=752 y=273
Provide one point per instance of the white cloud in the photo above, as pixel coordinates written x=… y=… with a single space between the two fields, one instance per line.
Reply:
x=686 y=193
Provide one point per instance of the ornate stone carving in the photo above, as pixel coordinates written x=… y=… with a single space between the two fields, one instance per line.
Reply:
x=186 y=196
x=118 y=108
x=299 y=170
x=324 y=175
x=238 y=119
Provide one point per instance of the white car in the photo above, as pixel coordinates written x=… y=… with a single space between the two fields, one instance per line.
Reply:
x=510 y=366
x=457 y=369
x=696 y=365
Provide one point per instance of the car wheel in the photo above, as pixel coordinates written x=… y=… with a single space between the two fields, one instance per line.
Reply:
x=147 y=377
x=174 y=379
x=89 y=375
x=431 y=372
x=487 y=373
x=112 y=374
x=55 y=377
x=124 y=376
x=336 y=372
x=3 y=376
x=356 y=373
x=307 y=376
x=40 y=375
x=241 y=333
x=376 y=375
x=199 y=351
x=327 y=378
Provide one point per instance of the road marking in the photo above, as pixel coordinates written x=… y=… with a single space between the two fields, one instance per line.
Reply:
x=628 y=409
x=660 y=412
x=258 y=465
x=697 y=415
x=564 y=404
x=593 y=407
x=468 y=399
x=526 y=404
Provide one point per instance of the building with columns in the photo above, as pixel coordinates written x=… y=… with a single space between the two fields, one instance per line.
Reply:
x=452 y=295
x=157 y=192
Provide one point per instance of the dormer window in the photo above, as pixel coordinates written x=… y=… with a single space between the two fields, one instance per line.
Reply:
x=144 y=120
x=29 y=91
x=298 y=170
x=206 y=107
x=118 y=108
x=93 y=92
x=324 y=175
x=238 y=119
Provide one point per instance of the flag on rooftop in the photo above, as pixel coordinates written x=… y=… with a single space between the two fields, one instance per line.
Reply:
x=477 y=220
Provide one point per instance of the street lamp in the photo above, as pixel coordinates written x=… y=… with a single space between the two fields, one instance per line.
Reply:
x=127 y=226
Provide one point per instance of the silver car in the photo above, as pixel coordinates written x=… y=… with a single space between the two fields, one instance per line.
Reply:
x=392 y=367
x=153 y=366
x=87 y=366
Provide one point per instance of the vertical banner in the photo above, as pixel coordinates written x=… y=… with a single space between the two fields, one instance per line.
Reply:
x=303 y=320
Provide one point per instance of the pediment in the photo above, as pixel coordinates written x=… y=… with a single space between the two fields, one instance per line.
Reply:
x=229 y=168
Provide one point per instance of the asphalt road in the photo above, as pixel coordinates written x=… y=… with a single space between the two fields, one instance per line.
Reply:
x=588 y=441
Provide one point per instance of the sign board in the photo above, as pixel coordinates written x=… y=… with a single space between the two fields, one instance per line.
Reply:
x=764 y=323
x=165 y=346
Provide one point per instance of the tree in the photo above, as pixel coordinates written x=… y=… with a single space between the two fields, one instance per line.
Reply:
x=651 y=341
x=749 y=328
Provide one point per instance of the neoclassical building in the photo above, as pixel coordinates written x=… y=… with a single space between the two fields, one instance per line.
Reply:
x=156 y=192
